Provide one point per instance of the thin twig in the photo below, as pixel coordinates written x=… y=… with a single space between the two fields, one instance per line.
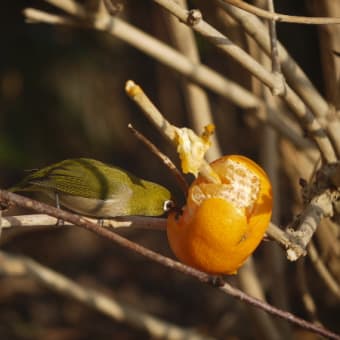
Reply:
x=306 y=295
x=276 y=66
x=308 y=222
x=69 y=6
x=1 y=221
x=327 y=240
x=41 y=220
x=80 y=221
x=293 y=249
x=120 y=29
x=274 y=257
x=181 y=64
x=197 y=102
x=168 y=130
x=322 y=270
x=298 y=107
x=197 y=73
x=199 y=113
x=251 y=284
x=282 y=17
x=150 y=223
x=294 y=75
x=165 y=159
x=151 y=112
x=113 y=7
x=119 y=311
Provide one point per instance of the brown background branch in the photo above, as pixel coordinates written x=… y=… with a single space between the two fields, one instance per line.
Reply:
x=7 y=197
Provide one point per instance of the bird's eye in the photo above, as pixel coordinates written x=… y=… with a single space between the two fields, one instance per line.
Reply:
x=168 y=205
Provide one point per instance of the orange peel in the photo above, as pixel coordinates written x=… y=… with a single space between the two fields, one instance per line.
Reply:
x=222 y=224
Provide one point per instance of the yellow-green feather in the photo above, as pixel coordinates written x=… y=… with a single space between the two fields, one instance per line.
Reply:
x=88 y=178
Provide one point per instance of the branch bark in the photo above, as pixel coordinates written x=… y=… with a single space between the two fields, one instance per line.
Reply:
x=8 y=197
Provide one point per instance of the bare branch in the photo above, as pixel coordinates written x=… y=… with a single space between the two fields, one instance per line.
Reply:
x=41 y=220
x=150 y=223
x=69 y=6
x=197 y=102
x=25 y=202
x=307 y=297
x=251 y=284
x=136 y=93
x=293 y=248
x=168 y=130
x=122 y=312
x=276 y=66
x=307 y=222
x=282 y=17
x=294 y=75
x=322 y=270
x=113 y=7
x=298 y=107
x=165 y=159
x=196 y=72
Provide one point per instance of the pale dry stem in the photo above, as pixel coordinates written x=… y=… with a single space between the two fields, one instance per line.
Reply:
x=322 y=270
x=168 y=130
x=298 y=107
x=120 y=29
x=8 y=197
x=41 y=220
x=196 y=72
x=198 y=107
x=261 y=13
x=293 y=73
x=23 y=266
x=308 y=221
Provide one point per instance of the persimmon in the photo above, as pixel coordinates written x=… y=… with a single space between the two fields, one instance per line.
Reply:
x=222 y=224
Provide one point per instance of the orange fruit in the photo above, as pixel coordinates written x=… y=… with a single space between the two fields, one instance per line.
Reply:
x=222 y=224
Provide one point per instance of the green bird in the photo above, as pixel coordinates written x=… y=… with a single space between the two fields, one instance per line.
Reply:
x=92 y=188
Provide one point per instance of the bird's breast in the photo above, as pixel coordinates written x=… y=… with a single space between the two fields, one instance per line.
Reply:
x=95 y=207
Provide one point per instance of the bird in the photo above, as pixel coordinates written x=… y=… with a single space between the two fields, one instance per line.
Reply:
x=95 y=189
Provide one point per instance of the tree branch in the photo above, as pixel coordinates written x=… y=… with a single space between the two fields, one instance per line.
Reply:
x=8 y=197
x=321 y=206
x=157 y=328
x=196 y=72
x=42 y=220
x=165 y=159
x=282 y=17
x=120 y=29
x=298 y=107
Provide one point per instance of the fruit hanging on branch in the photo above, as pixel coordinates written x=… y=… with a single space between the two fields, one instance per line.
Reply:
x=222 y=223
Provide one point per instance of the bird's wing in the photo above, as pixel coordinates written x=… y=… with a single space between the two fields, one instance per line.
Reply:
x=80 y=177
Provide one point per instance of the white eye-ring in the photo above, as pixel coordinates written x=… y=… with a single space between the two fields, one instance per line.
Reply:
x=168 y=205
